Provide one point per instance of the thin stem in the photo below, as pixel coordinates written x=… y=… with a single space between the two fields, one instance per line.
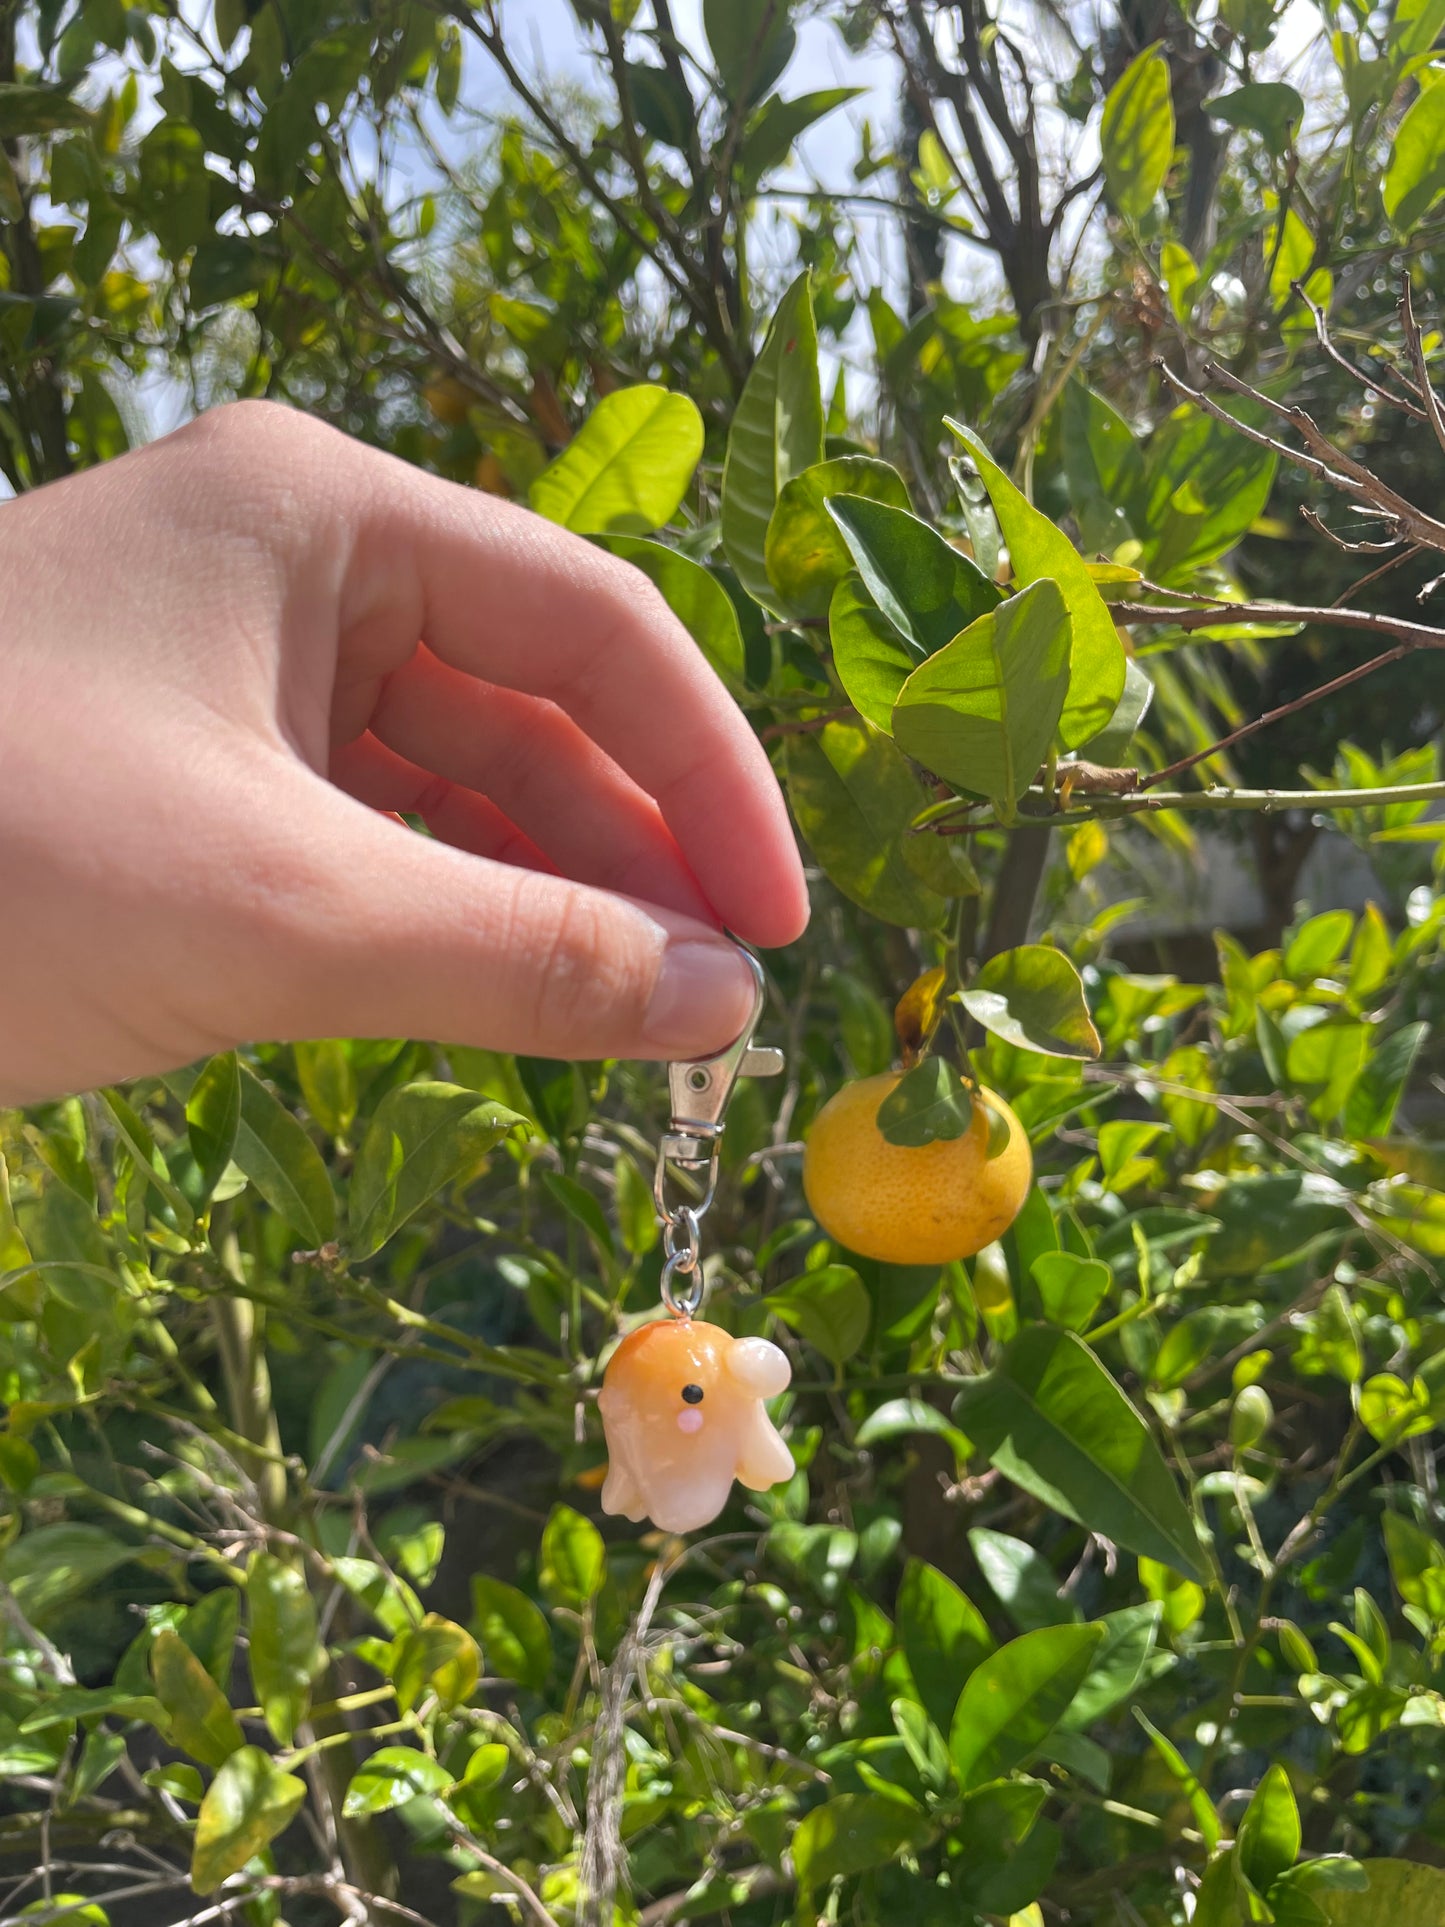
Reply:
x=1416 y=350
x=1357 y=674
x=1422 y=635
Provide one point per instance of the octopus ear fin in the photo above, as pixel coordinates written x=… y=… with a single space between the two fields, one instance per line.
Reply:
x=764 y=1460
x=620 y=1493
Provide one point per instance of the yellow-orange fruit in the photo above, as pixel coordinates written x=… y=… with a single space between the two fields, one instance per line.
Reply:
x=912 y=1204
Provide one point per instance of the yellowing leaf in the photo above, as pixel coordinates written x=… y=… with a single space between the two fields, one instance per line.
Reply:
x=626 y=471
x=1136 y=135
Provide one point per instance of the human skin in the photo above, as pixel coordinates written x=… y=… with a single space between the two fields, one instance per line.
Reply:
x=225 y=656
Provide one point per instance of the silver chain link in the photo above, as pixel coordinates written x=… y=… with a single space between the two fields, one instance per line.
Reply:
x=700 y=1089
x=682 y=1240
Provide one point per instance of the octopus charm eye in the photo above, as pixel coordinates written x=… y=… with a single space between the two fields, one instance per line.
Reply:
x=692 y=1394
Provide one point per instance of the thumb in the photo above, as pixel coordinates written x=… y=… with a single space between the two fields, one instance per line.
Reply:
x=386 y=933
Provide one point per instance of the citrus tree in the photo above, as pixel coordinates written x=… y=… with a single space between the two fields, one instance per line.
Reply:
x=1110 y=1582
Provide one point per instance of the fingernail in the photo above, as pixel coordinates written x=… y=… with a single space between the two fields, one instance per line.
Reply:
x=701 y=1000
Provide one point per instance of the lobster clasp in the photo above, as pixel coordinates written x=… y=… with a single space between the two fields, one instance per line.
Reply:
x=701 y=1087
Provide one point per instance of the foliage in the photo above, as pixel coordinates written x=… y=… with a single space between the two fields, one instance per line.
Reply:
x=1111 y=1583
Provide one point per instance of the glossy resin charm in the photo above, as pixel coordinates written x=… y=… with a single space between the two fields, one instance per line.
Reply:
x=682 y=1410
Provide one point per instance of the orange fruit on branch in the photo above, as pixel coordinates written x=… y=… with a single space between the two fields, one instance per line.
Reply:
x=913 y=1204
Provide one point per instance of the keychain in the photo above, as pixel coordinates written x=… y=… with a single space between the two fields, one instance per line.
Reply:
x=682 y=1400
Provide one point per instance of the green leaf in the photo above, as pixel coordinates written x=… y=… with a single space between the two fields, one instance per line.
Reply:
x=209 y=1629
x=1102 y=465
x=578 y=1203
x=777 y=124
x=942 y=863
x=1136 y=135
x=634 y=1207
x=91 y=1702
x=515 y=1639
x=573 y=1559
x=1033 y=997
x=1375 y=1095
x=751 y=41
x=283 y=1164
x=213 y=1118
x=1015 y=1698
x=664 y=108
x=1118 y=1665
x=926 y=1747
x=1200 y=1804
x=392 y=1776
x=172 y=186
x=1400 y=1892
x=1205 y=486
x=853 y=796
x=1391 y=1410
x=27 y=108
x=850 y=1833
x=699 y=601
x=929 y=1104
x=1268 y=1840
x=982 y=712
x=1415 y=176
x=1038 y=551
x=328 y=1082
x=281 y=1615
x=776 y=433
x=486 y=1766
x=805 y=554
x=51 y=1565
x=247 y=1805
x=830 y=1308
x=870 y=655
x=627 y=469
x=146 y=1158
x=421 y=1138
x=1111 y=745
x=896 y=1418
x=1071 y=1288
x=927 y=589
x=943 y=1635
x=1270 y=108
x=202 y=1723
x=437 y=1657
x=1417 y=1565
x=1051 y=1418
x=1021 y=1579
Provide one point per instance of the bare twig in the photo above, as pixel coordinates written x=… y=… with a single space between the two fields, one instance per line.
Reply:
x=1357 y=674
x=1416 y=350
x=1367 y=378
x=1324 y=459
x=1321 y=527
x=1420 y=635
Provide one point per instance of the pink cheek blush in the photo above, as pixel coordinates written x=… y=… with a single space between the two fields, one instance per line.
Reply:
x=689 y=1420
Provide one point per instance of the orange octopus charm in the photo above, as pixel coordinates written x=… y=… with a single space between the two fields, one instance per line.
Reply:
x=683 y=1414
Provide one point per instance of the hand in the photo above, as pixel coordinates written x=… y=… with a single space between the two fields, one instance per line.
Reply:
x=223 y=656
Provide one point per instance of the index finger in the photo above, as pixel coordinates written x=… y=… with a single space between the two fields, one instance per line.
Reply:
x=513 y=599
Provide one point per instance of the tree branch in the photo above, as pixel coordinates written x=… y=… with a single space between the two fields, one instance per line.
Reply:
x=1327 y=461
x=1416 y=350
x=1420 y=635
x=1357 y=674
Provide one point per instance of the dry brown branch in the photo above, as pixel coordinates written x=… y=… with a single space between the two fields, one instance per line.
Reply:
x=1324 y=459
x=1420 y=635
x=1416 y=350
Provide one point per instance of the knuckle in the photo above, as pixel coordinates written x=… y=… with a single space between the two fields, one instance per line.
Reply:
x=583 y=973
x=249 y=422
